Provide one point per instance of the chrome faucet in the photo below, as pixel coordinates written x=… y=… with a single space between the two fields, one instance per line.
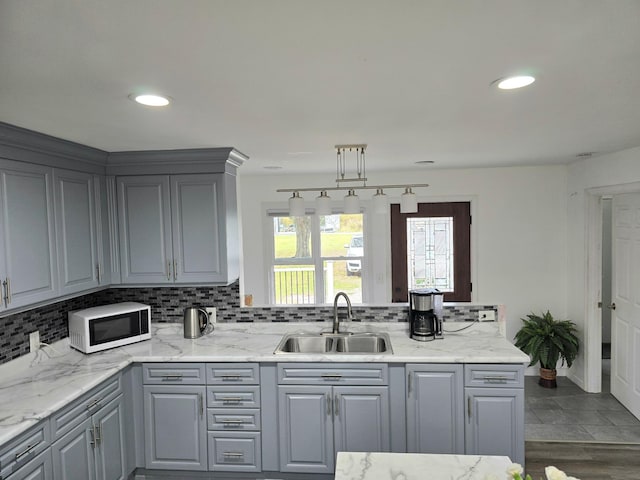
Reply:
x=336 y=322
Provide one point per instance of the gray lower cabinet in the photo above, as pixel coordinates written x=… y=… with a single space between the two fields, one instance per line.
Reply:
x=495 y=412
x=40 y=468
x=435 y=408
x=94 y=449
x=175 y=427
x=316 y=421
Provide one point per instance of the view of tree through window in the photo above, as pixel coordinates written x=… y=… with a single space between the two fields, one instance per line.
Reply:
x=316 y=257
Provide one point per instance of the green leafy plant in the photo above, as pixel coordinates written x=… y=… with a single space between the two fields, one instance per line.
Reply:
x=546 y=340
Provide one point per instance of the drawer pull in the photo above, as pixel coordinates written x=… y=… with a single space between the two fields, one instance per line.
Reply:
x=231 y=400
x=331 y=376
x=233 y=455
x=230 y=378
x=232 y=423
x=171 y=377
x=495 y=379
x=93 y=404
x=26 y=451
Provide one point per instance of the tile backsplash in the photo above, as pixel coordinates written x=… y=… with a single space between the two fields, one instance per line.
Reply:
x=168 y=303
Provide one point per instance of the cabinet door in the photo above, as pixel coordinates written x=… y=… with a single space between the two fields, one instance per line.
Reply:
x=40 y=468
x=361 y=419
x=495 y=422
x=28 y=234
x=76 y=231
x=197 y=213
x=110 y=450
x=73 y=456
x=175 y=427
x=435 y=409
x=144 y=220
x=306 y=429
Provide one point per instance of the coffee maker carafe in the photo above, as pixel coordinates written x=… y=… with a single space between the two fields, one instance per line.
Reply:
x=425 y=314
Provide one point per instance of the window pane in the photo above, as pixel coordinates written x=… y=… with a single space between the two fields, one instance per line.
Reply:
x=294 y=284
x=292 y=237
x=430 y=252
x=337 y=278
x=341 y=235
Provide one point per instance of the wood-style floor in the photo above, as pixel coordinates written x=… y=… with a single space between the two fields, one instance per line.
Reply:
x=586 y=461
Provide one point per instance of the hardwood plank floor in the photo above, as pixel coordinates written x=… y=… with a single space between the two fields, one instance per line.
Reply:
x=586 y=461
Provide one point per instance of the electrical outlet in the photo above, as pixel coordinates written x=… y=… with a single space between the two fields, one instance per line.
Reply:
x=487 y=316
x=212 y=313
x=34 y=341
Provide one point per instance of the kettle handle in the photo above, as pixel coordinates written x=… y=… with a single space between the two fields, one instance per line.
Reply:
x=206 y=315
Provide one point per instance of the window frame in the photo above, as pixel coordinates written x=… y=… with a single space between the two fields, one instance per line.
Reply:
x=316 y=259
x=462 y=248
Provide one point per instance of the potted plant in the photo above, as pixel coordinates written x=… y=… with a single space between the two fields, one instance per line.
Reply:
x=546 y=340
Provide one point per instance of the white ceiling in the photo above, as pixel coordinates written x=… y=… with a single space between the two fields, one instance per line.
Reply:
x=283 y=81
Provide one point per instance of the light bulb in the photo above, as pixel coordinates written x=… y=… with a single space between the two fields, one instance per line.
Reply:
x=380 y=202
x=408 y=201
x=323 y=204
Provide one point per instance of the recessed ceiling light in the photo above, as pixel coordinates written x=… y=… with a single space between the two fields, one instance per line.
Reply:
x=425 y=162
x=150 y=100
x=511 y=83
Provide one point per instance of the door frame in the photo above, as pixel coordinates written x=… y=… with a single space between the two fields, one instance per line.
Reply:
x=593 y=282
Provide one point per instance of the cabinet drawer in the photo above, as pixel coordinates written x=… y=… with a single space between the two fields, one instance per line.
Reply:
x=234 y=451
x=79 y=410
x=494 y=375
x=233 y=396
x=233 y=419
x=333 y=374
x=230 y=373
x=23 y=449
x=173 y=373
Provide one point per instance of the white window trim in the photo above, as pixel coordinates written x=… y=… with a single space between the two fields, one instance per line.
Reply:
x=269 y=210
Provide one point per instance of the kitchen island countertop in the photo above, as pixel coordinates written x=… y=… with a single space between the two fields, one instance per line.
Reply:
x=36 y=385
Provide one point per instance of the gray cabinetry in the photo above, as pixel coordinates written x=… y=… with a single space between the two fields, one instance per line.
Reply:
x=27 y=454
x=435 y=408
x=95 y=448
x=177 y=229
x=28 y=269
x=77 y=228
x=40 y=468
x=495 y=411
x=318 y=420
x=174 y=417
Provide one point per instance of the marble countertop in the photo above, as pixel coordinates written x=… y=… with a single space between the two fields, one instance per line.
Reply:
x=418 y=466
x=34 y=386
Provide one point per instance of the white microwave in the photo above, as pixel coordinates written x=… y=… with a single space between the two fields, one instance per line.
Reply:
x=108 y=326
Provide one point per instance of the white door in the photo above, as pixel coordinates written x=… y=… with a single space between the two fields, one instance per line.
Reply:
x=625 y=320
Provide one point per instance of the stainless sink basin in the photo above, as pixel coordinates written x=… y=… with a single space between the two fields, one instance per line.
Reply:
x=357 y=343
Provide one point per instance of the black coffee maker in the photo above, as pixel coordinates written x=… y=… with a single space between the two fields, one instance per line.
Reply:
x=425 y=314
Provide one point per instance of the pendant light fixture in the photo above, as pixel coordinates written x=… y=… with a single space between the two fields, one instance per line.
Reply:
x=323 y=203
x=408 y=200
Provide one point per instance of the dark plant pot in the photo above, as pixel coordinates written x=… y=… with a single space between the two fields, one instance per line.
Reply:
x=548 y=378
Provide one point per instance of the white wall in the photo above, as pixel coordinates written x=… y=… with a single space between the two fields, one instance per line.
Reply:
x=519 y=236
x=620 y=168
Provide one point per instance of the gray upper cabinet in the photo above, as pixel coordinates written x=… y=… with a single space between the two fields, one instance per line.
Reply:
x=28 y=269
x=435 y=408
x=177 y=229
x=76 y=227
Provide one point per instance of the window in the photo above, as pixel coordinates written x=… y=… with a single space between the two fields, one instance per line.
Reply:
x=431 y=248
x=314 y=257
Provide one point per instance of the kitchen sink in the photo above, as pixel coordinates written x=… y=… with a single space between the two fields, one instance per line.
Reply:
x=338 y=343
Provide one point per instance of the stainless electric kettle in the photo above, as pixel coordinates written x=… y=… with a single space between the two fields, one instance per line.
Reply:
x=196 y=321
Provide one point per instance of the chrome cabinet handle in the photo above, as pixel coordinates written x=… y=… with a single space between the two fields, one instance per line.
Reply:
x=495 y=379
x=231 y=400
x=612 y=306
x=169 y=270
x=98 y=434
x=9 y=289
x=330 y=376
x=171 y=377
x=26 y=451
x=93 y=404
x=230 y=378
x=233 y=455
x=201 y=403
x=93 y=436
x=175 y=270
x=232 y=423
x=5 y=293
x=98 y=272
x=328 y=398
x=469 y=406
x=409 y=382
x=336 y=405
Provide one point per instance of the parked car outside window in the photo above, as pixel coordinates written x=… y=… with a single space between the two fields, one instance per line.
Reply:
x=355 y=249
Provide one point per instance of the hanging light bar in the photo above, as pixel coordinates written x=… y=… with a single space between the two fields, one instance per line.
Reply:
x=408 y=200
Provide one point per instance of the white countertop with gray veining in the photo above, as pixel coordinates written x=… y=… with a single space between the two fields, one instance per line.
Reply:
x=417 y=466
x=36 y=385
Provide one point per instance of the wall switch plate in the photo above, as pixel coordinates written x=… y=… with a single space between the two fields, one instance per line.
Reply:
x=34 y=341
x=212 y=313
x=487 y=316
